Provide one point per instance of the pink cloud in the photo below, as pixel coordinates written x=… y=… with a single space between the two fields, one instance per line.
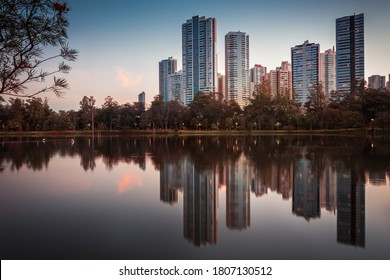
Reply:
x=129 y=181
x=126 y=78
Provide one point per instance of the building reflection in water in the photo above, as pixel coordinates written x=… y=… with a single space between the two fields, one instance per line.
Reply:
x=350 y=206
x=172 y=176
x=315 y=183
x=328 y=187
x=200 y=206
x=320 y=179
x=306 y=201
x=237 y=195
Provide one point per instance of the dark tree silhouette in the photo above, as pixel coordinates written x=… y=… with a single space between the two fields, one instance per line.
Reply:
x=28 y=29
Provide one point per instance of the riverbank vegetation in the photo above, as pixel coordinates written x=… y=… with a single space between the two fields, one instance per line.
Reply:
x=368 y=109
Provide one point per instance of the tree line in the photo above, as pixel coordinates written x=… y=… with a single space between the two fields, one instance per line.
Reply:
x=366 y=108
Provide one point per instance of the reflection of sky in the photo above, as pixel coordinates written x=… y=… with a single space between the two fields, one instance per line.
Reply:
x=107 y=214
x=121 y=42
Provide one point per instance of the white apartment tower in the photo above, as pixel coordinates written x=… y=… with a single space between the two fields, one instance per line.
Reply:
x=237 y=67
x=257 y=75
x=166 y=67
x=199 y=56
x=327 y=71
x=174 y=87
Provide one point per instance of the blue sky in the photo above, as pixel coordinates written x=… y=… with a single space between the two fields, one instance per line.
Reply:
x=121 y=42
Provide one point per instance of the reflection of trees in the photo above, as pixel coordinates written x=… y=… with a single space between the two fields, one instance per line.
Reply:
x=34 y=154
x=267 y=154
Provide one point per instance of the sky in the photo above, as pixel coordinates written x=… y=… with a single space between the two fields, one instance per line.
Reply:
x=121 y=42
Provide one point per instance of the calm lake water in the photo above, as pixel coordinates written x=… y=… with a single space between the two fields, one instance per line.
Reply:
x=273 y=197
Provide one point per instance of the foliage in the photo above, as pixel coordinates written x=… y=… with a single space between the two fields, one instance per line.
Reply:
x=87 y=111
x=367 y=109
x=28 y=29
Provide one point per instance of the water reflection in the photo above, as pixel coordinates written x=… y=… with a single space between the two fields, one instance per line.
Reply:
x=316 y=174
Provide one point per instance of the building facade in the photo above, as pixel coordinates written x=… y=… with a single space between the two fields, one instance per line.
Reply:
x=237 y=67
x=174 y=87
x=141 y=98
x=327 y=71
x=349 y=52
x=388 y=83
x=376 y=81
x=222 y=85
x=166 y=68
x=304 y=60
x=199 y=40
x=257 y=75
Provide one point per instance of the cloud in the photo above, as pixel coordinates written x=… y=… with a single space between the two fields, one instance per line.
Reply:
x=126 y=78
x=129 y=181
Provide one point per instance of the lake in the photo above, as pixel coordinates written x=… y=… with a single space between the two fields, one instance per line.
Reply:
x=206 y=197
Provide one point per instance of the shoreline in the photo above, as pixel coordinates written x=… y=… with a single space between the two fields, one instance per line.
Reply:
x=172 y=132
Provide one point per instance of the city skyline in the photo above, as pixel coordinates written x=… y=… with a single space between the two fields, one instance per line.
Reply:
x=128 y=40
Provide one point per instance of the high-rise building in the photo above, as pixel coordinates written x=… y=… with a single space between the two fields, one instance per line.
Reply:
x=349 y=52
x=388 y=83
x=284 y=80
x=199 y=56
x=174 y=87
x=237 y=67
x=304 y=59
x=257 y=73
x=166 y=68
x=376 y=81
x=222 y=85
x=272 y=77
x=141 y=97
x=327 y=71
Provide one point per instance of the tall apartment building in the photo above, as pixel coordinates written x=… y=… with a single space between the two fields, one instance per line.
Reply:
x=222 y=85
x=280 y=81
x=237 y=67
x=166 y=68
x=376 y=81
x=175 y=87
x=199 y=40
x=284 y=82
x=349 y=52
x=257 y=75
x=327 y=71
x=388 y=83
x=304 y=59
x=141 y=98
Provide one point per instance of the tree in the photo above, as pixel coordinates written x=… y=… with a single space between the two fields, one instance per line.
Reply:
x=110 y=112
x=156 y=112
x=315 y=105
x=16 y=113
x=259 y=112
x=87 y=112
x=37 y=112
x=27 y=28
